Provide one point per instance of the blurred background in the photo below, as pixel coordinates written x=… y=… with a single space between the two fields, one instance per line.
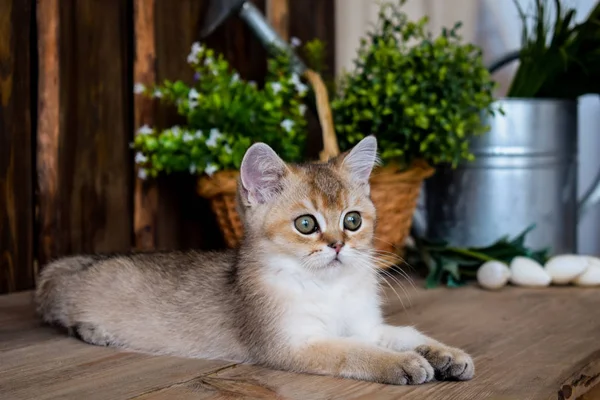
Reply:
x=68 y=113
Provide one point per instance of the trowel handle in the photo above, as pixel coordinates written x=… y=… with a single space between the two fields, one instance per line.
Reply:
x=267 y=35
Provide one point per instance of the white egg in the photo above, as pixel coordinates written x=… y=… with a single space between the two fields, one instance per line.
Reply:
x=564 y=268
x=591 y=275
x=493 y=275
x=528 y=272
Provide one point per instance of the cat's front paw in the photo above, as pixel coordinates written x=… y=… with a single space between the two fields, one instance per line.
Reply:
x=409 y=368
x=448 y=362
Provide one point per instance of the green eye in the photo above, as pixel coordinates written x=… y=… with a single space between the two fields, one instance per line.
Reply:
x=306 y=224
x=352 y=221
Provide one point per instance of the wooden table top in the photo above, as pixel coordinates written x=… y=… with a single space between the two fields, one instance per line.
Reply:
x=526 y=343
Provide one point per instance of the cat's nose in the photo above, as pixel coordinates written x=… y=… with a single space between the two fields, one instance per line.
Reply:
x=337 y=246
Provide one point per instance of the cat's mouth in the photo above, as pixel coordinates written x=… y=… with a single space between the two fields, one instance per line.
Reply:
x=336 y=262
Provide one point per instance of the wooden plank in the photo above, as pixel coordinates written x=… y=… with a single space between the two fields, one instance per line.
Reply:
x=91 y=206
x=315 y=19
x=48 y=21
x=146 y=194
x=16 y=163
x=181 y=215
x=278 y=16
x=527 y=344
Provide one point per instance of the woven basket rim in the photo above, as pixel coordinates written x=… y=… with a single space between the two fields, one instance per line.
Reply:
x=225 y=182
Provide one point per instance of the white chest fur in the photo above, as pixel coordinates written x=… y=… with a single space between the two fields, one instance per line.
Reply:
x=342 y=301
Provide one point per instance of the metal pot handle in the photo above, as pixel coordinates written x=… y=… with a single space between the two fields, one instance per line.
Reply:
x=592 y=196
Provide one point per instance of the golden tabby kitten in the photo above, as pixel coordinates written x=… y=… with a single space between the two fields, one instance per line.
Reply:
x=300 y=294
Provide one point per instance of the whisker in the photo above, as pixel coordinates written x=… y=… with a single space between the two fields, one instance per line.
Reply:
x=399 y=269
x=395 y=279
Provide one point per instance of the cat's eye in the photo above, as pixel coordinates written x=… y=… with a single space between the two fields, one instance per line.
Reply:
x=352 y=221
x=306 y=224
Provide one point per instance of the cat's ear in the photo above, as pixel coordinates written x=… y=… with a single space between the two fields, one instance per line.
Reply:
x=360 y=161
x=261 y=173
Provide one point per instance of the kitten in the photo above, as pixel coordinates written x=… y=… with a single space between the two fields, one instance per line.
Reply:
x=300 y=294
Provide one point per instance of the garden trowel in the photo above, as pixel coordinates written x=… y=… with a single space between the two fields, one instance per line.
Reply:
x=219 y=10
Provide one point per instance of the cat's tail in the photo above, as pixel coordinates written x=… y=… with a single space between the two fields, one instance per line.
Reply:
x=52 y=295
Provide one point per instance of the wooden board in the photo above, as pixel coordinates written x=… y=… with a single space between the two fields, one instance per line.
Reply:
x=92 y=210
x=48 y=128
x=145 y=199
x=279 y=17
x=315 y=19
x=527 y=344
x=16 y=162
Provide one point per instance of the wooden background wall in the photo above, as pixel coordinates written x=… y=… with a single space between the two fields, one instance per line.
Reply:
x=68 y=114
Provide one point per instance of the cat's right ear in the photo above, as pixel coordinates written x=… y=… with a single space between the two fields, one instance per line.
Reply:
x=261 y=173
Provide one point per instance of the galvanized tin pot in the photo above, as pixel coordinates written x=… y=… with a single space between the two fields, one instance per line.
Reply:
x=525 y=173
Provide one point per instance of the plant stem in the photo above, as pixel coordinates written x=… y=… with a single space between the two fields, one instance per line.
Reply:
x=474 y=254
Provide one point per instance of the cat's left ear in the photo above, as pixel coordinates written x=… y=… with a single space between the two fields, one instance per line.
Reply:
x=360 y=161
x=261 y=173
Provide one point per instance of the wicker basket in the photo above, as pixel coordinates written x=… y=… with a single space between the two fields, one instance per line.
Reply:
x=394 y=193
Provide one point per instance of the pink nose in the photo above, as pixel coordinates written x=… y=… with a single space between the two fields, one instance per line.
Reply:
x=337 y=246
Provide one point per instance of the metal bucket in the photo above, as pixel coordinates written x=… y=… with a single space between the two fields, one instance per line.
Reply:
x=525 y=173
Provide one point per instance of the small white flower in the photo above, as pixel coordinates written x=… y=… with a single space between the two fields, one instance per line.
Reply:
x=140 y=158
x=287 y=124
x=214 y=136
x=276 y=87
x=157 y=94
x=197 y=47
x=193 y=104
x=188 y=137
x=296 y=79
x=193 y=94
x=176 y=131
x=193 y=169
x=193 y=56
x=198 y=134
x=235 y=78
x=208 y=61
x=211 y=169
x=142 y=174
x=139 y=88
x=227 y=149
x=252 y=83
x=295 y=42
x=302 y=109
x=145 y=130
x=300 y=87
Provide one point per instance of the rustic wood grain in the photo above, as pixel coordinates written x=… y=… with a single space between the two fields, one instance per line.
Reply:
x=527 y=344
x=48 y=127
x=144 y=71
x=278 y=15
x=16 y=163
x=91 y=205
x=315 y=19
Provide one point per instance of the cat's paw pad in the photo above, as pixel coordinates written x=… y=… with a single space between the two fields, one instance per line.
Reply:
x=413 y=369
x=448 y=362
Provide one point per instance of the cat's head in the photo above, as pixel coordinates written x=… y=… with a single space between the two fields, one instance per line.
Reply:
x=319 y=214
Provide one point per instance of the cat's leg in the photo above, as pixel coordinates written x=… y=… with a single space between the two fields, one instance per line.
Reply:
x=350 y=358
x=448 y=362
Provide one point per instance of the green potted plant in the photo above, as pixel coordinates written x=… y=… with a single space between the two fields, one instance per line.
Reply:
x=424 y=98
x=526 y=168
